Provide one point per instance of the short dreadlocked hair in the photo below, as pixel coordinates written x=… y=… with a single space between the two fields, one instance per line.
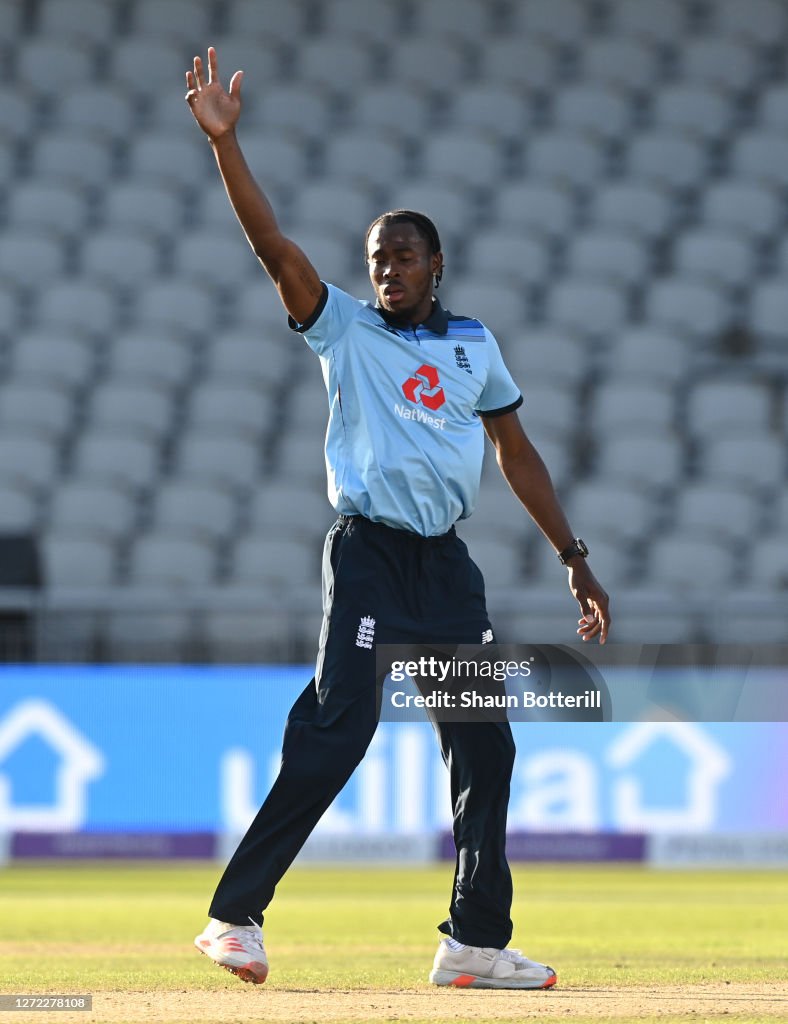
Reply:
x=420 y=221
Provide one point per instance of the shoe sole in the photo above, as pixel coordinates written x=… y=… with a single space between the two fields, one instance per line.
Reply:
x=255 y=972
x=454 y=979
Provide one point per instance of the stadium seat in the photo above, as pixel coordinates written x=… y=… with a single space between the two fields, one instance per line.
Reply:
x=558 y=22
x=723 y=257
x=761 y=156
x=768 y=315
x=335 y=66
x=692 y=307
x=647 y=616
x=31 y=256
x=60 y=207
x=666 y=159
x=772 y=115
x=466 y=20
x=149 y=206
x=546 y=354
x=565 y=158
x=662 y=24
x=291 y=109
x=501 y=561
x=509 y=255
x=519 y=63
x=53 y=356
x=18 y=115
x=377 y=22
x=750 y=460
x=597 y=111
x=18 y=512
x=632 y=206
x=248 y=18
x=555 y=408
x=469 y=157
x=500 y=307
x=447 y=203
x=587 y=307
x=167 y=560
x=176 y=18
x=498 y=110
x=614 y=256
x=768 y=562
x=307 y=407
x=691 y=561
x=130 y=408
x=300 y=455
x=611 y=565
x=218 y=459
x=244 y=636
x=406 y=112
x=173 y=159
x=77 y=305
x=363 y=157
x=258 y=307
x=65 y=155
x=10 y=309
x=758 y=617
x=239 y=407
x=121 y=257
x=342 y=208
x=246 y=354
x=723 y=512
x=762 y=22
x=294 y=507
x=176 y=303
x=76 y=561
x=741 y=205
x=648 y=352
x=76 y=21
x=722 y=64
x=621 y=404
x=620 y=62
x=88 y=508
x=120 y=459
x=540 y=206
x=27 y=459
x=423 y=65
x=35 y=405
x=217 y=258
x=655 y=461
x=701 y=112
x=97 y=108
x=609 y=509
x=47 y=66
x=151 y=358
x=329 y=252
x=726 y=405
x=271 y=561
x=188 y=508
x=146 y=66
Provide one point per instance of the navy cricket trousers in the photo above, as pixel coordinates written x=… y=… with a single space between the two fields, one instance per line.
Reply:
x=418 y=591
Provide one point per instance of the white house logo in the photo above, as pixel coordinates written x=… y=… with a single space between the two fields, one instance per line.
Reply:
x=79 y=764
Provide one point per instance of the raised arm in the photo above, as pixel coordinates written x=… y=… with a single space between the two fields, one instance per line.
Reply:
x=216 y=112
x=528 y=477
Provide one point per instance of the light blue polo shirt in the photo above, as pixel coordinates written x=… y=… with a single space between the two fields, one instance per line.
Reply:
x=405 y=441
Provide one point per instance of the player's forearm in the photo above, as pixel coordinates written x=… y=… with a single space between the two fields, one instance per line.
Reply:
x=249 y=202
x=530 y=480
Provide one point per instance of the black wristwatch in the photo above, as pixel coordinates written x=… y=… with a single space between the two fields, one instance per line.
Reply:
x=577 y=547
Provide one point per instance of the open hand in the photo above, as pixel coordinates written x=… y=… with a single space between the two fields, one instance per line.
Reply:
x=215 y=110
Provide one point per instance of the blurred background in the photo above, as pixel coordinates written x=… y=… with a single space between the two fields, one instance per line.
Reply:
x=609 y=180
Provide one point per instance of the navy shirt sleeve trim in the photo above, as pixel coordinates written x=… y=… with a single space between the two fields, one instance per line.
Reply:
x=491 y=413
x=314 y=317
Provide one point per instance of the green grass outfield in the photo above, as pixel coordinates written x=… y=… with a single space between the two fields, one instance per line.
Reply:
x=101 y=928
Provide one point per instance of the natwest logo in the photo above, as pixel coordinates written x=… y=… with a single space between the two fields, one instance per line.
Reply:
x=424 y=387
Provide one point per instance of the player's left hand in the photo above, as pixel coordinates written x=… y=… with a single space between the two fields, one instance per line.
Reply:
x=593 y=600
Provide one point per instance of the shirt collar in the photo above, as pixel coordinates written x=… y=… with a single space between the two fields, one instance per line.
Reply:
x=437 y=322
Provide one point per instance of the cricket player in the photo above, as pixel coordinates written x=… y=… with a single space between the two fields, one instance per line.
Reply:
x=412 y=389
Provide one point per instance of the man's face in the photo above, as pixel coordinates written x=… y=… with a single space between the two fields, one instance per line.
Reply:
x=401 y=268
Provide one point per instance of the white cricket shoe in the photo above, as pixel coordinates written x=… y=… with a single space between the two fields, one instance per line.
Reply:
x=237 y=948
x=487 y=967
